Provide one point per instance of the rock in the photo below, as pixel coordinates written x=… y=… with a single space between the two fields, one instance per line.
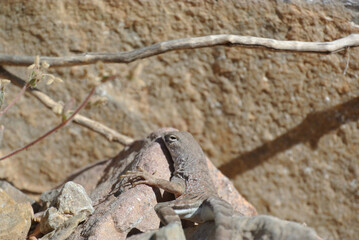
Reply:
x=228 y=112
x=15 y=218
x=119 y=212
x=48 y=198
x=123 y=212
x=74 y=199
x=51 y=220
x=228 y=192
x=269 y=227
x=65 y=229
x=15 y=193
x=63 y=204
x=259 y=228
x=170 y=232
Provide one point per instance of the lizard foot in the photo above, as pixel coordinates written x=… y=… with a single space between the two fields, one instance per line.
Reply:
x=139 y=177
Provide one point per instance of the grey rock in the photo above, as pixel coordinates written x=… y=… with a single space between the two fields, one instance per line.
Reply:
x=65 y=229
x=269 y=227
x=74 y=199
x=260 y=227
x=15 y=193
x=63 y=204
x=48 y=198
x=170 y=232
x=52 y=219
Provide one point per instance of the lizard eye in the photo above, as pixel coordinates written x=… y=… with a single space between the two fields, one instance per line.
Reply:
x=171 y=138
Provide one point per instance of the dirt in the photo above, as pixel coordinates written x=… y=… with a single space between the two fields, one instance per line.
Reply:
x=283 y=126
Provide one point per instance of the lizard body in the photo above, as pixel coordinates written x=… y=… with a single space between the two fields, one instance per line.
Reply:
x=196 y=197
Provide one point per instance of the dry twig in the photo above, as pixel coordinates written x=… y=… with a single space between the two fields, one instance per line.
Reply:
x=188 y=43
x=159 y=48
x=52 y=130
x=105 y=131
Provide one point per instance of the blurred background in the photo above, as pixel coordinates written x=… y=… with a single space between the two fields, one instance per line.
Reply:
x=283 y=126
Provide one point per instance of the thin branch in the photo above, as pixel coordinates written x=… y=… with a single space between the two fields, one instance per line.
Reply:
x=105 y=131
x=188 y=43
x=15 y=99
x=52 y=130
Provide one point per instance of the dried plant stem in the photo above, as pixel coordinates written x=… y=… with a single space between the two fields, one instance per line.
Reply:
x=15 y=99
x=158 y=48
x=110 y=134
x=188 y=43
x=54 y=129
x=105 y=131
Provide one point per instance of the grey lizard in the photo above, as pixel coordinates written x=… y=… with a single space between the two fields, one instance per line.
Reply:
x=196 y=197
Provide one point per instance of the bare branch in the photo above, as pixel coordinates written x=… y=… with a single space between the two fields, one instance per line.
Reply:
x=188 y=43
x=105 y=131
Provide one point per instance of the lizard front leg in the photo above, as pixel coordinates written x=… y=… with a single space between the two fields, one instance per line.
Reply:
x=164 y=210
x=142 y=177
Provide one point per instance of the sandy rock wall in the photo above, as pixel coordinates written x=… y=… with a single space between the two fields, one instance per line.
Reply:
x=283 y=126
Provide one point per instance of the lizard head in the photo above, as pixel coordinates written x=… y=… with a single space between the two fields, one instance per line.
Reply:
x=180 y=144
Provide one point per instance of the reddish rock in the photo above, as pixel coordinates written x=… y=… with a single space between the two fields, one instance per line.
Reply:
x=122 y=210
